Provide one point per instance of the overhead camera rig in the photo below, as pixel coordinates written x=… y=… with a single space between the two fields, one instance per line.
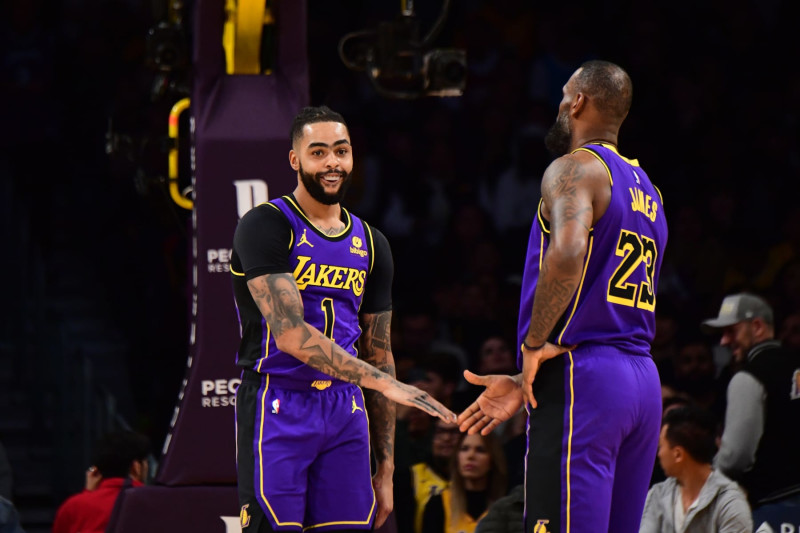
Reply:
x=401 y=64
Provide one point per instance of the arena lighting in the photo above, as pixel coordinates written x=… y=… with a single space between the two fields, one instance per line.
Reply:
x=400 y=64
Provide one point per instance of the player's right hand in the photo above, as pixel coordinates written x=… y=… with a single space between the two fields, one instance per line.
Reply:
x=501 y=399
x=405 y=394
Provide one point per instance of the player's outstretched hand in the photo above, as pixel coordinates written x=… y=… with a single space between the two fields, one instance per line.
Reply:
x=405 y=394
x=501 y=399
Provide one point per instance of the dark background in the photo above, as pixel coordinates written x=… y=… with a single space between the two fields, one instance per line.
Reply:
x=94 y=254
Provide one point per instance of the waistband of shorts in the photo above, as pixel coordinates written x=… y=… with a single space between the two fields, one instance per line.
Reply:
x=287 y=382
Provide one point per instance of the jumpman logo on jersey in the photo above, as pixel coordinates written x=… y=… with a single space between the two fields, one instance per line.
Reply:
x=303 y=239
x=355 y=406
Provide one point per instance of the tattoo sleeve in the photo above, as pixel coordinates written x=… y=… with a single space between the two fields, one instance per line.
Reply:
x=565 y=191
x=376 y=349
x=281 y=304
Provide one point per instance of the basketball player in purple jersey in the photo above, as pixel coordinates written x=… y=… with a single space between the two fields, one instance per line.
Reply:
x=313 y=291
x=586 y=323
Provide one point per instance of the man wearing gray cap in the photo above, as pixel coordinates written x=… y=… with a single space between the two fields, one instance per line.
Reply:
x=759 y=445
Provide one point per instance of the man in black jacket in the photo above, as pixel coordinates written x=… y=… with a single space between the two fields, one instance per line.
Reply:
x=759 y=446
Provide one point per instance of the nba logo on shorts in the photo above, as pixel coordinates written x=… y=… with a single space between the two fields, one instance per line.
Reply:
x=541 y=526
x=276 y=406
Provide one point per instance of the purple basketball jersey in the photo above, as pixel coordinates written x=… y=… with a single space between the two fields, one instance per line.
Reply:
x=330 y=271
x=615 y=301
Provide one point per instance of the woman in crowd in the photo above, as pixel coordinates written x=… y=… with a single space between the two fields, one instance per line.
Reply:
x=478 y=478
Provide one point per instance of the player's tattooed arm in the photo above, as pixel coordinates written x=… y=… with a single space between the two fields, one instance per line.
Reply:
x=281 y=304
x=376 y=349
x=567 y=195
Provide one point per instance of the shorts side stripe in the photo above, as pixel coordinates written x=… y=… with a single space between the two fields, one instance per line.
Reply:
x=261 y=458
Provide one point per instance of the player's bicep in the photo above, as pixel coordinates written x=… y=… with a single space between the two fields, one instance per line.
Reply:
x=567 y=193
x=279 y=301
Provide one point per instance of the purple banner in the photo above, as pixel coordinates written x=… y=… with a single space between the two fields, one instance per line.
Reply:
x=241 y=128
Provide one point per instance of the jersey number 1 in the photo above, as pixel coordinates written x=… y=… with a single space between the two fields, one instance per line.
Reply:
x=634 y=249
x=330 y=317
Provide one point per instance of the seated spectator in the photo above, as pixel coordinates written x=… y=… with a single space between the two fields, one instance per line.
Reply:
x=477 y=479
x=415 y=486
x=695 y=498
x=120 y=460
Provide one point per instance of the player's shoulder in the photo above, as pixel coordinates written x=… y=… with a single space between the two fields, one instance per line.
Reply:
x=576 y=166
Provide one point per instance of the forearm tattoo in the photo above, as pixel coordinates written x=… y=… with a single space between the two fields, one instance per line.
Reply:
x=281 y=304
x=376 y=350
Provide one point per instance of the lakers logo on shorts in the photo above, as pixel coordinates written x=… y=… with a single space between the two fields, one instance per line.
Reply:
x=321 y=384
x=355 y=406
x=541 y=526
x=244 y=516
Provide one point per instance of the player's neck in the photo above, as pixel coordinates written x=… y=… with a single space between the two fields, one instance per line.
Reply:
x=323 y=216
x=595 y=135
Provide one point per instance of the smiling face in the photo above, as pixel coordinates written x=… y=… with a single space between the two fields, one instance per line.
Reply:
x=323 y=157
x=739 y=338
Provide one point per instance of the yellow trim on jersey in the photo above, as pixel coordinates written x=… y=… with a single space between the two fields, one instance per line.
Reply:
x=659 y=195
x=303 y=214
x=374 y=500
x=266 y=349
x=542 y=222
x=569 y=438
x=291 y=231
x=634 y=162
x=371 y=247
x=610 y=179
x=580 y=287
x=236 y=273
x=261 y=460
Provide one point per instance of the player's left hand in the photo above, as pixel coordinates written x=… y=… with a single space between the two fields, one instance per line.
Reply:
x=531 y=361
x=384 y=494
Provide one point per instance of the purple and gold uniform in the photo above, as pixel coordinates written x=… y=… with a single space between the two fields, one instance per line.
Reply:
x=302 y=436
x=592 y=441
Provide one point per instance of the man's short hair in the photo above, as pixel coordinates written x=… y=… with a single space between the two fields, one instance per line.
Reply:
x=609 y=85
x=694 y=429
x=312 y=115
x=115 y=452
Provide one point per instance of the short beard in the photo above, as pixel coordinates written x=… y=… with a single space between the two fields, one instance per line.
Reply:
x=558 y=140
x=317 y=192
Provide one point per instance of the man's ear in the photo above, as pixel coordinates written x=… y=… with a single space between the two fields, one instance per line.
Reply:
x=578 y=104
x=679 y=453
x=294 y=161
x=761 y=330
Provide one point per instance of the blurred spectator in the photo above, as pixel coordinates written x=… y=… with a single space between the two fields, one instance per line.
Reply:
x=695 y=376
x=790 y=332
x=695 y=498
x=668 y=404
x=759 y=446
x=477 y=479
x=120 y=461
x=415 y=486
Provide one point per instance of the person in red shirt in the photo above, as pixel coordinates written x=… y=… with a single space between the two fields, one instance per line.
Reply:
x=119 y=456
